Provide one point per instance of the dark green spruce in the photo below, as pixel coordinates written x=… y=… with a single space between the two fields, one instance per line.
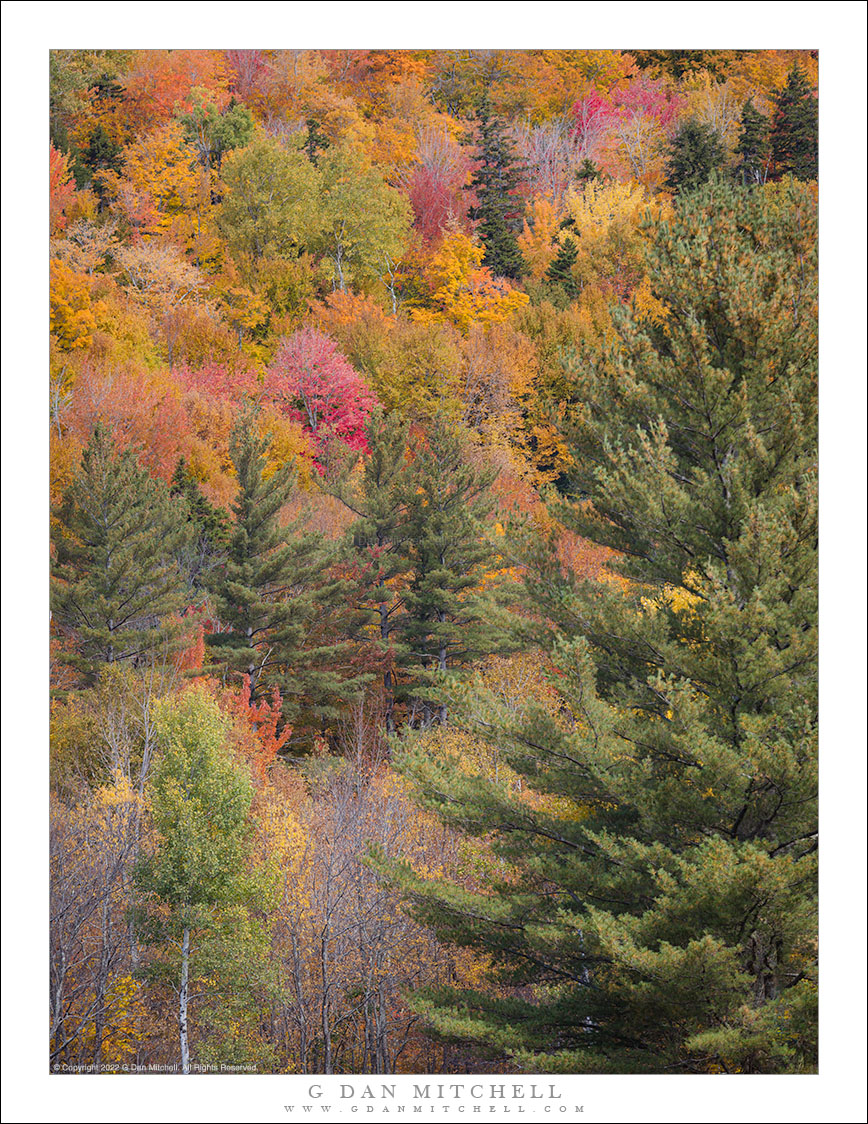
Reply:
x=695 y=152
x=795 y=123
x=499 y=209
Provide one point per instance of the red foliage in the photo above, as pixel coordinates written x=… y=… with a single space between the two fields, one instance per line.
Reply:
x=311 y=382
x=140 y=409
x=263 y=718
x=61 y=189
x=232 y=384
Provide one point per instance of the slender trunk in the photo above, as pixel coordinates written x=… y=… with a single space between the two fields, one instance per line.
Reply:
x=182 y=1001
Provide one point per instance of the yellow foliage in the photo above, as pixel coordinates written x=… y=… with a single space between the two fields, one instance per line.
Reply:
x=72 y=314
x=463 y=291
x=161 y=181
x=596 y=205
x=538 y=239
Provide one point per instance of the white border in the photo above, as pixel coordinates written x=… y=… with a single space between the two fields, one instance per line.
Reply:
x=29 y=30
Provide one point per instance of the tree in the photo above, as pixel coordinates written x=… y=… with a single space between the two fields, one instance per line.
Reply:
x=695 y=152
x=794 y=140
x=753 y=145
x=273 y=596
x=448 y=620
x=212 y=133
x=319 y=388
x=365 y=222
x=658 y=895
x=114 y=575
x=200 y=801
x=499 y=209
x=210 y=528
x=560 y=272
x=270 y=208
x=373 y=492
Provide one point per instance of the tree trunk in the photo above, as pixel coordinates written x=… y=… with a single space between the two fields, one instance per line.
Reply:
x=182 y=1001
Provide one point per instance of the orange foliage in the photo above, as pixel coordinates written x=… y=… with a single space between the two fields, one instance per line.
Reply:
x=262 y=718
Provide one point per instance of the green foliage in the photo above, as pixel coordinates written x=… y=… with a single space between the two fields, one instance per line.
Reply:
x=753 y=145
x=211 y=529
x=373 y=492
x=271 y=206
x=365 y=222
x=115 y=577
x=659 y=889
x=213 y=133
x=560 y=272
x=449 y=619
x=794 y=135
x=273 y=594
x=200 y=802
x=694 y=154
x=499 y=209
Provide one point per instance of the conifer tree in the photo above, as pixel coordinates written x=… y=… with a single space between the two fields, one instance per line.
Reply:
x=448 y=620
x=560 y=272
x=210 y=527
x=374 y=492
x=657 y=910
x=274 y=595
x=115 y=577
x=794 y=139
x=499 y=210
x=694 y=154
x=753 y=145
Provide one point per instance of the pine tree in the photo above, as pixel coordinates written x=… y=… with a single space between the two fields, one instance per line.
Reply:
x=274 y=595
x=753 y=145
x=694 y=154
x=210 y=527
x=560 y=272
x=115 y=578
x=794 y=139
x=657 y=910
x=374 y=492
x=448 y=619
x=499 y=210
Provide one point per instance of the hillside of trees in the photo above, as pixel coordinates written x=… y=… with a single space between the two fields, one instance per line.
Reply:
x=433 y=561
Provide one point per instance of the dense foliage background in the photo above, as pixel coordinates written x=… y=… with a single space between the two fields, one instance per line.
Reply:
x=434 y=560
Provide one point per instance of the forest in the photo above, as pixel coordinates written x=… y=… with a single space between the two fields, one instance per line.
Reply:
x=434 y=561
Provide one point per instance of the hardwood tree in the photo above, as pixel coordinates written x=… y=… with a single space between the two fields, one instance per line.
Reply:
x=199 y=868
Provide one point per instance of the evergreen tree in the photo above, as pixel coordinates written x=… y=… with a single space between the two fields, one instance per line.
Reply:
x=753 y=145
x=316 y=140
x=374 y=492
x=115 y=578
x=448 y=619
x=499 y=210
x=210 y=526
x=587 y=171
x=694 y=154
x=274 y=595
x=794 y=136
x=560 y=272
x=659 y=893
x=99 y=155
